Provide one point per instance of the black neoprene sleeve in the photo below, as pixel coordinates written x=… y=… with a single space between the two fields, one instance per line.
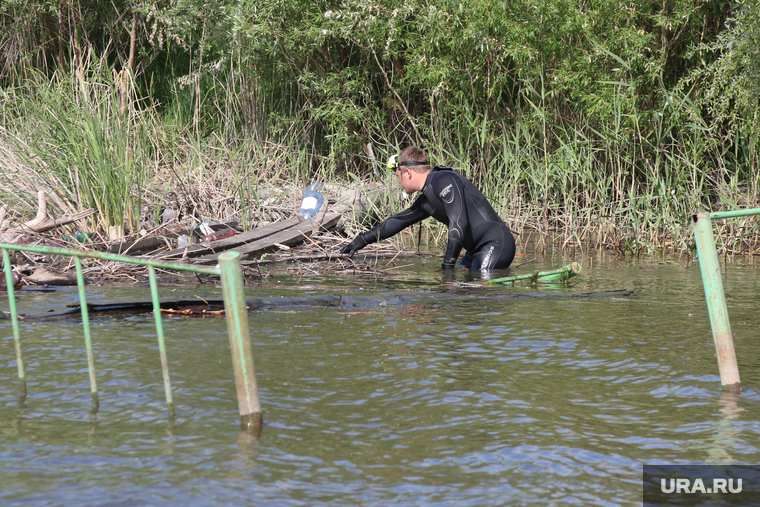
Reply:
x=396 y=223
x=449 y=191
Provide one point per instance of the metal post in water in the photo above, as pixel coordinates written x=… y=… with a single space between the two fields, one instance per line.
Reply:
x=14 y=321
x=87 y=339
x=236 y=311
x=716 y=302
x=160 y=334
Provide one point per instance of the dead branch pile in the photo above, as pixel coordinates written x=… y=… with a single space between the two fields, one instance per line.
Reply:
x=309 y=246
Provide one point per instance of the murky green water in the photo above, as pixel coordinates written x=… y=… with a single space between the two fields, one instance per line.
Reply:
x=458 y=397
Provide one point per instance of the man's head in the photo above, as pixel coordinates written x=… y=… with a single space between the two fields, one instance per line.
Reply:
x=412 y=167
x=415 y=159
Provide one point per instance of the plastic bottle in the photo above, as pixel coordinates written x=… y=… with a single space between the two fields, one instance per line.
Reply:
x=216 y=236
x=168 y=215
x=80 y=236
x=312 y=201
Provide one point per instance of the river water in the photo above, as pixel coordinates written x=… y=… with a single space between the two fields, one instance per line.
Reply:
x=457 y=396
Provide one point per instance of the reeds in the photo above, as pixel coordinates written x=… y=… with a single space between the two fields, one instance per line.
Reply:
x=73 y=140
x=629 y=183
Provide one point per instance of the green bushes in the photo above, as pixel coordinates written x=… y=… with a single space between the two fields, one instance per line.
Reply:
x=607 y=120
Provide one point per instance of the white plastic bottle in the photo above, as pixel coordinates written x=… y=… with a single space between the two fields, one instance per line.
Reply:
x=312 y=201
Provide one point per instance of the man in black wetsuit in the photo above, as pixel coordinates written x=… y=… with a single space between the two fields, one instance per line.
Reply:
x=453 y=200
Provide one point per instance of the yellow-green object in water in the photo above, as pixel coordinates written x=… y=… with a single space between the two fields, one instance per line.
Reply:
x=561 y=275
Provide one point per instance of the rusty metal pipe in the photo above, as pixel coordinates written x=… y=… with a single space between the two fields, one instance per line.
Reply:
x=716 y=302
x=233 y=288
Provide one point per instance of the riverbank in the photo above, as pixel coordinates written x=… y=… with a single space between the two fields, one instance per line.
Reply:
x=178 y=224
x=611 y=142
x=139 y=168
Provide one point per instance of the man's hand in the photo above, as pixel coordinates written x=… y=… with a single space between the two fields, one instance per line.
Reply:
x=357 y=244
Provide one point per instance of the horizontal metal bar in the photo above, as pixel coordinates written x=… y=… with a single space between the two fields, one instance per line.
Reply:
x=53 y=250
x=734 y=214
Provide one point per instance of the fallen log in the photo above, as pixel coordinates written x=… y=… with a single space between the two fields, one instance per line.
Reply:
x=44 y=222
x=147 y=244
x=201 y=307
x=49 y=276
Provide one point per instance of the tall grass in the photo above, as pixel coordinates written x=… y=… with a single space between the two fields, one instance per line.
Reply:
x=78 y=144
x=628 y=184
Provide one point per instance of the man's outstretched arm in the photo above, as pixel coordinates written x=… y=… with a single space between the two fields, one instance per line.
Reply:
x=387 y=228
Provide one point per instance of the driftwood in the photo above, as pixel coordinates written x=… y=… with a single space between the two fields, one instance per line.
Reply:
x=198 y=250
x=44 y=222
x=146 y=244
x=319 y=218
x=214 y=306
x=289 y=236
x=48 y=276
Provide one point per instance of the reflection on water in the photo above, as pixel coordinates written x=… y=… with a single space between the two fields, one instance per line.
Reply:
x=720 y=445
x=449 y=396
x=729 y=405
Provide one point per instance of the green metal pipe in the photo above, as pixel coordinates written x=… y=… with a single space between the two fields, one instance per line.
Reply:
x=236 y=311
x=53 y=250
x=160 y=334
x=555 y=276
x=235 y=308
x=716 y=302
x=734 y=214
x=14 y=321
x=87 y=337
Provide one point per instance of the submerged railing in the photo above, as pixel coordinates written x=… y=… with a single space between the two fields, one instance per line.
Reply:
x=236 y=313
x=716 y=299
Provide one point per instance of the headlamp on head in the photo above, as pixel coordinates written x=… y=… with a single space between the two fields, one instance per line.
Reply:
x=392 y=163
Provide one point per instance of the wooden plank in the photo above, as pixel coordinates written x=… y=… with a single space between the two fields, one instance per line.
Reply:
x=288 y=237
x=141 y=245
x=227 y=243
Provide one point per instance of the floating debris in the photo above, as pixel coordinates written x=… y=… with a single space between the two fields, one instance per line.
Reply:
x=202 y=307
x=560 y=275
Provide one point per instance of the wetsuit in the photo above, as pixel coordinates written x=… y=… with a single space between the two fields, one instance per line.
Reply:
x=473 y=224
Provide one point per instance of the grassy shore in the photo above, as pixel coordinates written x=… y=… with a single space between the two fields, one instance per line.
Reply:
x=622 y=187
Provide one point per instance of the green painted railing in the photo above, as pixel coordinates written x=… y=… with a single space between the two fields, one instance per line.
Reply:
x=236 y=313
x=716 y=298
